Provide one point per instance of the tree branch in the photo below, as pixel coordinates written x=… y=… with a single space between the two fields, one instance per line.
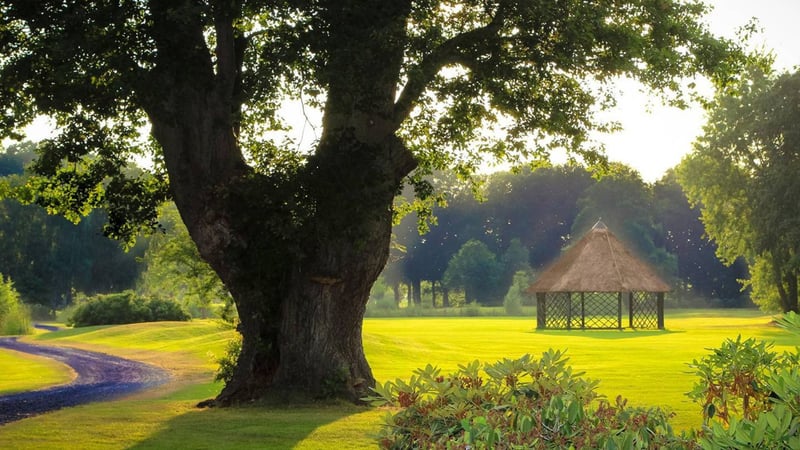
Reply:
x=449 y=52
x=228 y=63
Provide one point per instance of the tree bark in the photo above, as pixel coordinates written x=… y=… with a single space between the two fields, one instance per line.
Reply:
x=791 y=292
x=299 y=251
x=417 y=284
x=397 y=296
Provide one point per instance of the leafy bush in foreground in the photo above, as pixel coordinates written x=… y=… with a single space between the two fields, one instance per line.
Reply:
x=731 y=379
x=777 y=427
x=522 y=403
x=750 y=394
x=125 y=307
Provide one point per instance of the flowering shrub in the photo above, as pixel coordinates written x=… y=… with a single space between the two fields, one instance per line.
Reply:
x=520 y=403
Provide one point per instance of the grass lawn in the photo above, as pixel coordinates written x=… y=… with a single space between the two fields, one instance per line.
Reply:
x=647 y=367
x=22 y=372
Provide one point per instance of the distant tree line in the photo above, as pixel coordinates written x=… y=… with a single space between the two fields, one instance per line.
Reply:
x=50 y=258
x=522 y=221
x=475 y=245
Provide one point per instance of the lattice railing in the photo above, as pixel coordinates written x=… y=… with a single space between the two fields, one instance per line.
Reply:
x=559 y=311
x=644 y=310
x=564 y=311
x=601 y=310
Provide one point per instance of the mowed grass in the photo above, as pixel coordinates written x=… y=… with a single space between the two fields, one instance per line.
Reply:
x=22 y=372
x=647 y=367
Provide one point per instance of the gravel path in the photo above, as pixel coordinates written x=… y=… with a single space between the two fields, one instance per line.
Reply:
x=100 y=377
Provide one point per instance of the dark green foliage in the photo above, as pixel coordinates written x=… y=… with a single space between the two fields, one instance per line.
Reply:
x=476 y=270
x=743 y=175
x=699 y=270
x=50 y=257
x=528 y=217
x=732 y=379
x=125 y=307
x=522 y=403
x=750 y=395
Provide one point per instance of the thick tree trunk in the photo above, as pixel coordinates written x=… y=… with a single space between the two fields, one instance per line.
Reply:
x=301 y=287
x=298 y=249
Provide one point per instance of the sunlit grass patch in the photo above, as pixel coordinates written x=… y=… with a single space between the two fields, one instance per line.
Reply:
x=648 y=367
x=23 y=372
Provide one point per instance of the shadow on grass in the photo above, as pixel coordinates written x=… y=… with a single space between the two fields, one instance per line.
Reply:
x=607 y=334
x=247 y=427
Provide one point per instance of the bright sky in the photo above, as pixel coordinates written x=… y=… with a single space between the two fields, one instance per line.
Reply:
x=654 y=137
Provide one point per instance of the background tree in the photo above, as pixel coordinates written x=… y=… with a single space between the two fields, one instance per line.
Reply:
x=742 y=174
x=699 y=271
x=402 y=85
x=14 y=316
x=174 y=270
x=538 y=207
x=474 y=269
x=457 y=220
x=625 y=204
x=49 y=257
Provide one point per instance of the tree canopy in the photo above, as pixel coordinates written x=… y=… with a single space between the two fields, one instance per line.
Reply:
x=405 y=87
x=743 y=174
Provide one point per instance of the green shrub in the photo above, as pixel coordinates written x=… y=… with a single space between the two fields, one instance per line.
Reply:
x=750 y=394
x=124 y=307
x=732 y=380
x=515 y=296
x=775 y=426
x=522 y=403
x=380 y=305
x=472 y=309
x=227 y=363
x=15 y=317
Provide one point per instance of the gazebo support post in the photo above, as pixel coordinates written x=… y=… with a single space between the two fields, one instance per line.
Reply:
x=541 y=311
x=569 y=310
x=630 y=309
x=583 y=311
x=660 y=309
x=619 y=310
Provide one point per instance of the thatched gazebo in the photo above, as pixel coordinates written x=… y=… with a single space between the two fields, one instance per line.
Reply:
x=594 y=282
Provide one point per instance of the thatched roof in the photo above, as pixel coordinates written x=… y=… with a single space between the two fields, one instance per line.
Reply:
x=599 y=262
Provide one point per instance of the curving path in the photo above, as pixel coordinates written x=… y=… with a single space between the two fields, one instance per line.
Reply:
x=99 y=377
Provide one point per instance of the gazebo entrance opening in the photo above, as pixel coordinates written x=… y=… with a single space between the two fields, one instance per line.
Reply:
x=599 y=310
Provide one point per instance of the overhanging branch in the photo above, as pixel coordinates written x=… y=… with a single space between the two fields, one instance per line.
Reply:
x=452 y=51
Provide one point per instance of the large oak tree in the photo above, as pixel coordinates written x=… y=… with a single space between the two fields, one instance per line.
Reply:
x=404 y=86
